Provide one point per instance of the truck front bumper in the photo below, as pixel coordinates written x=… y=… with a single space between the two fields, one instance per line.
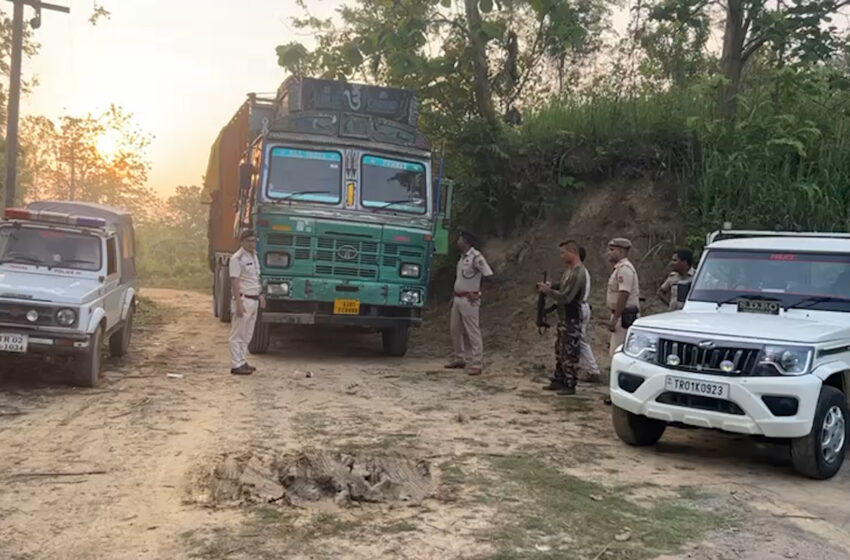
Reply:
x=288 y=312
x=752 y=414
x=47 y=342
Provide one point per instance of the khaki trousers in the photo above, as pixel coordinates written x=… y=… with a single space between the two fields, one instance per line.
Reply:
x=241 y=331
x=618 y=337
x=467 y=344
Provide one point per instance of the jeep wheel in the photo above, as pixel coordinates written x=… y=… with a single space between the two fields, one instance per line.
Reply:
x=635 y=429
x=262 y=336
x=119 y=343
x=820 y=454
x=395 y=340
x=87 y=366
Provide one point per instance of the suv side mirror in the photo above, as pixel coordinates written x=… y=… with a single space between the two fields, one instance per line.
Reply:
x=246 y=170
x=682 y=291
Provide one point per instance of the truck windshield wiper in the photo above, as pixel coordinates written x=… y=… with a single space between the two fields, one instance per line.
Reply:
x=740 y=296
x=299 y=193
x=389 y=203
x=808 y=301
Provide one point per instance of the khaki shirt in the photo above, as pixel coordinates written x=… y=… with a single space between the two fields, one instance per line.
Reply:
x=623 y=279
x=245 y=267
x=668 y=288
x=471 y=267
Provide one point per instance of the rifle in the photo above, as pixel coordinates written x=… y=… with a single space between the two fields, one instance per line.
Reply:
x=542 y=310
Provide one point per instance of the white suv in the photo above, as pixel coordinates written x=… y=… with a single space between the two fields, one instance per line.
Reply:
x=67 y=283
x=762 y=347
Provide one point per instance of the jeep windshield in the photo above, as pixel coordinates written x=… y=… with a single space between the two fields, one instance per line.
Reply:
x=49 y=248
x=395 y=185
x=818 y=281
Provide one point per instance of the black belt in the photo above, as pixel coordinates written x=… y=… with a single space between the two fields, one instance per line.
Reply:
x=250 y=297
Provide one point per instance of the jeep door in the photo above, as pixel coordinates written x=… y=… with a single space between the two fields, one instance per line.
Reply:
x=114 y=291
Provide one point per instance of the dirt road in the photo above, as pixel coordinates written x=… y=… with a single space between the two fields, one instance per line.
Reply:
x=152 y=466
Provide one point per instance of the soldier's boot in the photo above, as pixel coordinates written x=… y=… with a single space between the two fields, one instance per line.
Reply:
x=556 y=384
x=567 y=390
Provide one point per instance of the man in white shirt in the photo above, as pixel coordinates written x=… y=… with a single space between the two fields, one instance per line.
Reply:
x=586 y=351
x=247 y=299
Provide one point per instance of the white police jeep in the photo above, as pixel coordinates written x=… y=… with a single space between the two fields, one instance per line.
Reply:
x=762 y=347
x=67 y=283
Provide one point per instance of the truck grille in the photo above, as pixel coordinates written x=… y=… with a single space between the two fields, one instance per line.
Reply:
x=346 y=257
x=394 y=254
x=299 y=244
x=707 y=360
x=16 y=313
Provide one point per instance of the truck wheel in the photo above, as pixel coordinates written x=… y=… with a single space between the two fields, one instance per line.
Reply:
x=222 y=287
x=119 y=343
x=636 y=430
x=820 y=454
x=262 y=336
x=395 y=340
x=215 y=295
x=87 y=366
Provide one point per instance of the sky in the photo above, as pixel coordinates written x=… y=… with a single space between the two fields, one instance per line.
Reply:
x=182 y=67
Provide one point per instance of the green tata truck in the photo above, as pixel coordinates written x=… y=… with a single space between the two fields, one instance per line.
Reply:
x=349 y=208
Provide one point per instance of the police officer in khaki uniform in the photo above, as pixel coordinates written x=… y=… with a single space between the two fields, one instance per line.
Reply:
x=623 y=294
x=682 y=264
x=247 y=299
x=466 y=333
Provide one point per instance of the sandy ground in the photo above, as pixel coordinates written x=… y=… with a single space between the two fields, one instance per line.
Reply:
x=122 y=471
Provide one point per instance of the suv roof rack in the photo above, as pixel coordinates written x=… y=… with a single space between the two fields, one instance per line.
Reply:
x=730 y=233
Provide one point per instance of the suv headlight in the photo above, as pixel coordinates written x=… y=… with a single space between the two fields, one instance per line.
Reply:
x=277 y=260
x=784 y=360
x=641 y=345
x=66 y=317
x=409 y=270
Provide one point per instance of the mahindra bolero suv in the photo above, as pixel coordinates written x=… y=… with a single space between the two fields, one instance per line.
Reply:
x=761 y=347
x=67 y=283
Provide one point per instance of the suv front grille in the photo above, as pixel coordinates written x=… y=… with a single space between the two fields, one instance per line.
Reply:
x=707 y=360
x=16 y=313
x=700 y=402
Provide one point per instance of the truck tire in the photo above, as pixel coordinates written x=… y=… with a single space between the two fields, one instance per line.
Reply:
x=820 y=454
x=262 y=336
x=119 y=342
x=222 y=287
x=395 y=340
x=87 y=367
x=635 y=429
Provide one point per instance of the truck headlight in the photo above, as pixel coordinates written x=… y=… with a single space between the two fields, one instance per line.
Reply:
x=410 y=297
x=282 y=289
x=66 y=317
x=409 y=270
x=784 y=360
x=641 y=345
x=277 y=260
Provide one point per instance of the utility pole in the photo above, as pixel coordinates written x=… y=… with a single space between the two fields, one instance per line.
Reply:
x=15 y=87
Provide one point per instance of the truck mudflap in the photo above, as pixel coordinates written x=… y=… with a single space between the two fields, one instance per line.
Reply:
x=288 y=318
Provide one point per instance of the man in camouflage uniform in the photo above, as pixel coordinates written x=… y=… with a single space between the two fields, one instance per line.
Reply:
x=568 y=296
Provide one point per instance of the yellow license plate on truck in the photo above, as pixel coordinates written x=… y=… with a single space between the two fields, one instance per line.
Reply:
x=346 y=307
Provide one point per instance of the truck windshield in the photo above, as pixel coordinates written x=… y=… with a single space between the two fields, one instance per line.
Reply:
x=51 y=248
x=393 y=185
x=822 y=280
x=305 y=175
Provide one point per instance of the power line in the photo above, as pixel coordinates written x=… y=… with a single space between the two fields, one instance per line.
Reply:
x=15 y=86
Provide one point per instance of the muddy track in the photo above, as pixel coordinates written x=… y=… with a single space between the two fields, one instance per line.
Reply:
x=113 y=472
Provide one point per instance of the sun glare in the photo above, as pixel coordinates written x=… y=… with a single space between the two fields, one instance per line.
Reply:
x=108 y=144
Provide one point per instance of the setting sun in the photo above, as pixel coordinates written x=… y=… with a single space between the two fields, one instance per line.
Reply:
x=108 y=144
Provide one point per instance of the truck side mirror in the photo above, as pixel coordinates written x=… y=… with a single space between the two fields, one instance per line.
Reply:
x=682 y=291
x=442 y=224
x=246 y=171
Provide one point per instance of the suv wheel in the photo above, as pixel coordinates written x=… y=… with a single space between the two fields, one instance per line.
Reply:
x=820 y=454
x=635 y=429
x=119 y=343
x=87 y=366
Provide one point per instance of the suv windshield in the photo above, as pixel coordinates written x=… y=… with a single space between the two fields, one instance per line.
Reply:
x=393 y=185
x=823 y=279
x=305 y=175
x=51 y=248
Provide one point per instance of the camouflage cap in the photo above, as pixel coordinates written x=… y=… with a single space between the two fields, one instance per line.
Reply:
x=620 y=242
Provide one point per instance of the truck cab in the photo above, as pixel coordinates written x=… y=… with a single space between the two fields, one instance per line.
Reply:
x=346 y=206
x=67 y=283
x=761 y=347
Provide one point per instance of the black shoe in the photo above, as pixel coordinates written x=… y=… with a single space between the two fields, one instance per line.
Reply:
x=554 y=386
x=249 y=366
x=567 y=390
x=607 y=400
x=242 y=370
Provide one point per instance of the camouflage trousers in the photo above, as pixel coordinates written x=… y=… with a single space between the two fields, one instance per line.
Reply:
x=567 y=351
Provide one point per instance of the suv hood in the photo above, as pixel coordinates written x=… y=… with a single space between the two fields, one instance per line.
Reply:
x=41 y=286
x=762 y=327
